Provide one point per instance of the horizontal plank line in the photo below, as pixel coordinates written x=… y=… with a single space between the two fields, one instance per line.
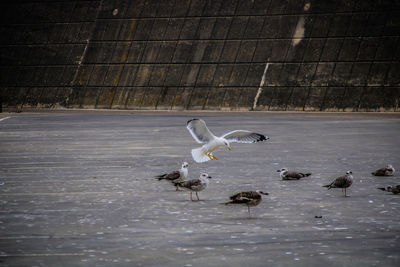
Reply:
x=116 y=41
x=42 y=255
x=59 y=194
x=150 y=64
x=307 y=14
x=205 y=86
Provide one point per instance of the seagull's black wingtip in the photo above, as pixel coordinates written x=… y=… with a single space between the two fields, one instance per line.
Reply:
x=189 y=121
x=261 y=138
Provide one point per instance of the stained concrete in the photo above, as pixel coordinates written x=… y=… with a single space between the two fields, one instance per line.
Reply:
x=338 y=55
x=78 y=190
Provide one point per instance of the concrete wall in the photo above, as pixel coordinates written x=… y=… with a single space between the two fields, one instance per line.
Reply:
x=330 y=55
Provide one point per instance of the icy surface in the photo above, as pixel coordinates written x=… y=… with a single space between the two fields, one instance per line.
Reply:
x=79 y=190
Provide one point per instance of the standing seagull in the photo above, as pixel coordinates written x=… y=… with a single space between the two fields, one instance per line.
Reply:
x=248 y=198
x=175 y=176
x=388 y=171
x=285 y=174
x=196 y=185
x=203 y=135
x=343 y=182
x=394 y=189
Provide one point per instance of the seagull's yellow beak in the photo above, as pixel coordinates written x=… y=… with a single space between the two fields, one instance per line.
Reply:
x=229 y=147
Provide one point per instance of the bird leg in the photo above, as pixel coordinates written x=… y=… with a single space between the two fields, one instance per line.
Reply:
x=208 y=154
x=345 y=193
x=248 y=209
x=191 y=196
x=215 y=157
x=197 y=196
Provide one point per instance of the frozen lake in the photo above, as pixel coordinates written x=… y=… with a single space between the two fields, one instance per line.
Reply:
x=78 y=190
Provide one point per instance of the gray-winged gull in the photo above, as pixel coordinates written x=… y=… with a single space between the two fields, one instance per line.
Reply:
x=200 y=132
x=175 y=176
x=248 y=198
x=196 y=185
x=394 y=189
x=285 y=174
x=343 y=182
x=387 y=171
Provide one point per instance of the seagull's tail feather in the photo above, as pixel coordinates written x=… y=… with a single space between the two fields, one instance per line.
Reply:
x=226 y=203
x=307 y=174
x=382 y=188
x=199 y=156
x=329 y=186
x=160 y=177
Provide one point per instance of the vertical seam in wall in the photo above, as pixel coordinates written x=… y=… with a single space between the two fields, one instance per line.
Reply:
x=163 y=89
x=284 y=63
x=373 y=59
x=301 y=62
x=237 y=54
x=70 y=54
x=219 y=58
x=131 y=40
x=146 y=85
x=260 y=88
x=316 y=68
x=232 y=63
x=358 y=52
x=179 y=85
x=38 y=69
x=84 y=55
x=321 y=107
x=140 y=60
x=396 y=104
x=186 y=63
x=252 y=58
x=279 y=76
x=102 y=86
x=262 y=82
x=352 y=65
x=42 y=70
x=120 y=71
x=172 y=57
x=340 y=105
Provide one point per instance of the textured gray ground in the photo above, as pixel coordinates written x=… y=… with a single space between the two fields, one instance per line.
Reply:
x=78 y=190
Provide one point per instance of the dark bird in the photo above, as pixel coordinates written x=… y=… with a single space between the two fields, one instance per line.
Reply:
x=196 y=185
x=343 y=182
x=175 y=176
x=285 y=174
x=394 y=189
x=248 y=198
x=387 y=171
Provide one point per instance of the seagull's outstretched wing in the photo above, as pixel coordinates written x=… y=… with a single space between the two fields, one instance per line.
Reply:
x=242 y=136
x=199 y=131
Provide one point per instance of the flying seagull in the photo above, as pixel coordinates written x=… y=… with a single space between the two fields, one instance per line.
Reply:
x=394 y=189
x=285 y=174
x=200 y=133
x=196 y=185
x=343 y=182
x=248 y=198
x=175 y=176
x=388 y=171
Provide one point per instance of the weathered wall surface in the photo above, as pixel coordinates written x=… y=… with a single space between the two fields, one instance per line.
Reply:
x=340 y=55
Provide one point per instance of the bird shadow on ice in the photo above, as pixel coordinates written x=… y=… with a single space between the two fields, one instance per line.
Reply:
x=244 y=218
